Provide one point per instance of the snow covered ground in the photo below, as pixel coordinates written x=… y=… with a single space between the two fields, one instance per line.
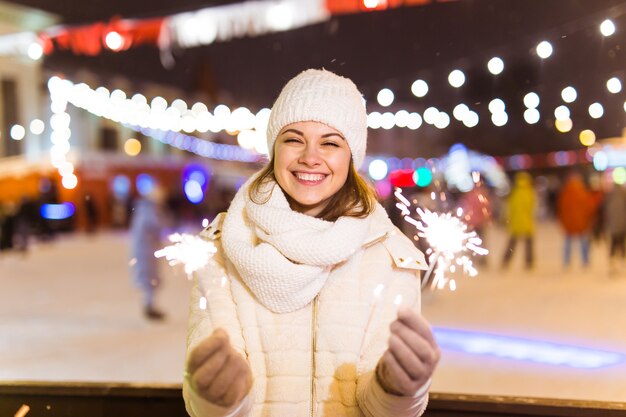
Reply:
x=68 y=312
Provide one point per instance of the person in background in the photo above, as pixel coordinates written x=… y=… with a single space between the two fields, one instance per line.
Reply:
x=296 y=316
x=575 y=212
x=476 y=206
x=520 y=218
x=614 y=210
x=597 y=199
x=91 y=213
x=7 y=225
x=145 y=238
x=25 y=220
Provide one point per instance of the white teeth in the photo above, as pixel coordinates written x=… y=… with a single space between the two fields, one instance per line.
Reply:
x=309 y=177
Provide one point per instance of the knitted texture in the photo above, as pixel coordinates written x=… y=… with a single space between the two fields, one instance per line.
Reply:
x=283 y=256
x=351 y=334
x=322 y=96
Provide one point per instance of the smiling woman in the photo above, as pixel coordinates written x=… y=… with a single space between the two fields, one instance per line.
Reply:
x=307 y=324
x=311 y=165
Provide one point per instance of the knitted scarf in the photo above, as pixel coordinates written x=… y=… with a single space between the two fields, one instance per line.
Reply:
x=283 y=256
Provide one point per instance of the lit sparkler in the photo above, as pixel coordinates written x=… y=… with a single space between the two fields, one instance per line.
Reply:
x=194 y=252
x=451 y=244
x=191 y=251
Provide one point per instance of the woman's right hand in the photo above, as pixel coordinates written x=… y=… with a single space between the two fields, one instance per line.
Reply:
x=217 y=372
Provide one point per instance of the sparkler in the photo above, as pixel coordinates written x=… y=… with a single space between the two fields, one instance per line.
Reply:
x=22 y=411
x=194 y=252
x=191 y=251
x=451 y=244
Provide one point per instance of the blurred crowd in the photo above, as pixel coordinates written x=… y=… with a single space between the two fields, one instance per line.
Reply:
x=588 y=210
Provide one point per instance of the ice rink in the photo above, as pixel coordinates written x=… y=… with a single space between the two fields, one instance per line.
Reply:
x=68 y=312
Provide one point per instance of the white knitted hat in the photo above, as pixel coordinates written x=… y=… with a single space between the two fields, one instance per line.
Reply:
x=322 y=96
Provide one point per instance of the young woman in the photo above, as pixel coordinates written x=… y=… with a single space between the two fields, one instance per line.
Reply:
x=319 y=314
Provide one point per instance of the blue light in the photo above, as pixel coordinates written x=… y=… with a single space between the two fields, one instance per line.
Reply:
x=525 y=349
x=145 y=184
x=197 y=173
x=120 y=186
x=458 y=147
x=57 y=211
x=193 y=192
x=422 y=177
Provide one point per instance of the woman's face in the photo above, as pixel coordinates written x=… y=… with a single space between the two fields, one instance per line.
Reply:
x=311 y=163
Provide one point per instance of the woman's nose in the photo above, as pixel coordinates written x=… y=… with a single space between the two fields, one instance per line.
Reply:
x=310 y=155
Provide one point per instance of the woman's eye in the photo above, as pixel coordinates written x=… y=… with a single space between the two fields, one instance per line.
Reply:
x=331 y=144
x=290 y=140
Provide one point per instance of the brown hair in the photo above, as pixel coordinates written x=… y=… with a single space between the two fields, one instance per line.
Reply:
x=355 y=199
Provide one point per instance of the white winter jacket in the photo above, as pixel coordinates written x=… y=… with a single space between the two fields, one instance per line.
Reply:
x=318 y=360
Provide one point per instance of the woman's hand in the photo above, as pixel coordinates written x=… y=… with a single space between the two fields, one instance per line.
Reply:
x=412 y=355
x=217 y=372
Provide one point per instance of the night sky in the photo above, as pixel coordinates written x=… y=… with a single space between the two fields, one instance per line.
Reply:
x=393 y=48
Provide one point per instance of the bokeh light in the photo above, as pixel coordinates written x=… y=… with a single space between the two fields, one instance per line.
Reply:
x=614 y=85
x=569 y=94
x=69 y=182
x=377 y=169
x=531 y=100
x=544 y=49
x=120 y=186
x=456 y=78
x=499 y=119
x=419 y=88
x=17 y=132
x=37 y=126
x=132 y=147
x=459 y=112
x=495 y=65
x=531 y=116
x=619 y=175
x=496 y=106
x=607 y=28
x=471 y=119
x=561 y=113
x=596 y=110
x=385 y=97
x=114 y=41
x=564 y=125
x=422 y=177
x=587 y=137
x=144 y=184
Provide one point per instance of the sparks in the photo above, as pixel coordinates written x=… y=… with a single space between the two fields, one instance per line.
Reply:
x=450 y=243
x=191 y=251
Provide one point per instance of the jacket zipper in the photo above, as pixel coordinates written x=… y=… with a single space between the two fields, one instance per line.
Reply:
x=313 y=349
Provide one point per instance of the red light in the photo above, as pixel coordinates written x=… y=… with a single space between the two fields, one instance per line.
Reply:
x=402 y=178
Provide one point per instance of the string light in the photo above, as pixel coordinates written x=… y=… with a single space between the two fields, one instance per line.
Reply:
x=607 y=28
x=385 y=97
x=614 y=85
x=35 y=51
x=531 y=100
x=496 y=106
x=561 y=113
x=17 y=132
x=564 y=125
x=568 y=94
x=430 y=115
x=544 y=49
x=37 y=127
x=419 y=88
x=456 y=78
x=587 y=137
x=495 y=65
x=596 y=110
x=531 y=116
x=114 y=41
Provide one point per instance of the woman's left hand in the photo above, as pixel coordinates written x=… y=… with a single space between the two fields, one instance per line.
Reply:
x=409 y=362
